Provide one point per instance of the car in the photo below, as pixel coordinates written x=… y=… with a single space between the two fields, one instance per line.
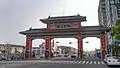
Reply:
x=106 y=56
x=0 y=58
x=66 y=55
x=42 y=56
x=113 y=61
x=73 y=56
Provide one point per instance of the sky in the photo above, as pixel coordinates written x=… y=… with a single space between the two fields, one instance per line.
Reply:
x=19 y=15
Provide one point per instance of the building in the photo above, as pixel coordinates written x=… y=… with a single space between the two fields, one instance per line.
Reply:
x=42 y=49
x=108 y=12
x=102 y=13
x=68 y=50
x=39 y=51
x=13 y=48
x=113 y=11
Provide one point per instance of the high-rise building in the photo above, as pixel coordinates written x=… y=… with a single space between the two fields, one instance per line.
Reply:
x=113 y=10
x=102 y=13
x=108 y=12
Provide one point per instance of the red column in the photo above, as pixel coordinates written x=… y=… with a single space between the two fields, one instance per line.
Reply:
x=50 y=49
x=47 y=43
x=30 y=48
x=80 y=47
x=71 y=25
x=55 y=26
x=27 y=47
x=48 y=26
x=103 y=44
x=79 y=24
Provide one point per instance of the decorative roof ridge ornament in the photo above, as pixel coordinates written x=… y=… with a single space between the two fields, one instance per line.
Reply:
x=30 y=28
x=48 y=17
x=78 y=14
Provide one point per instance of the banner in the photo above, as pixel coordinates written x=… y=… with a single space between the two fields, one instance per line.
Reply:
x=80 y=44
x=27 y=46
x=47 y=45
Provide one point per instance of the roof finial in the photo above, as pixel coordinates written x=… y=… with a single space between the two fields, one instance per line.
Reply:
x=30 y=28
x=78 y=14
x=48 y=16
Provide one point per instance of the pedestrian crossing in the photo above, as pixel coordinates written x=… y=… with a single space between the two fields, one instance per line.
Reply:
x=78 y=62
x=59 y=62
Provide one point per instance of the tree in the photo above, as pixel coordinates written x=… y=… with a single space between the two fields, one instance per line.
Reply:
x=115 y=30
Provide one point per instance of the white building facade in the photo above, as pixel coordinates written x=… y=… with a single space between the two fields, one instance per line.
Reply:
x=39 y=51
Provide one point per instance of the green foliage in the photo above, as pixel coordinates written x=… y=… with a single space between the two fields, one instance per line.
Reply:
x=116 y=48
x=115 y=30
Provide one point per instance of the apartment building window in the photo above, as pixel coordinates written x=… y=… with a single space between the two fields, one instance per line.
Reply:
x=111 y=2
x=103 y=8
x=118 y=16
x=103 y=4
x=116 y=1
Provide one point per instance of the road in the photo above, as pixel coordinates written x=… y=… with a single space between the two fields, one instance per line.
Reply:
x=88 y=62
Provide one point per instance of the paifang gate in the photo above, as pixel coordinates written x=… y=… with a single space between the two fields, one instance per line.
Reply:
x=64 y=27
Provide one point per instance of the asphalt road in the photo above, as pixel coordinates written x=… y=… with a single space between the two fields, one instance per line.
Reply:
x=91 y=62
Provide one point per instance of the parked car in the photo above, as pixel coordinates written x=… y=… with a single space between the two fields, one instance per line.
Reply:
x=4 y=57
x=106 y=56
x=66 y=55
x=113 y=61
x=73 y=55
x=42 y=56
x=0 y=58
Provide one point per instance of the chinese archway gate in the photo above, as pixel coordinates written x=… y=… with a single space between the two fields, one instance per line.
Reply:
x=64 y=27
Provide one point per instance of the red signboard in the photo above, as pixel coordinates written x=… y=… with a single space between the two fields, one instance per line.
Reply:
x=103 y=41
x=80 y=44
x=103 y=44
x=47 y=40
x=27 y=46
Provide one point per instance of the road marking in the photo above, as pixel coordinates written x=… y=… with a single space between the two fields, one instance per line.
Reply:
x=80 y=61
x=102 y=62
x=91 y=62
x=94 y=62
x=83 y=62
x=87 y=62
x=76 y=62
x=60 y=61
x=98 y=62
